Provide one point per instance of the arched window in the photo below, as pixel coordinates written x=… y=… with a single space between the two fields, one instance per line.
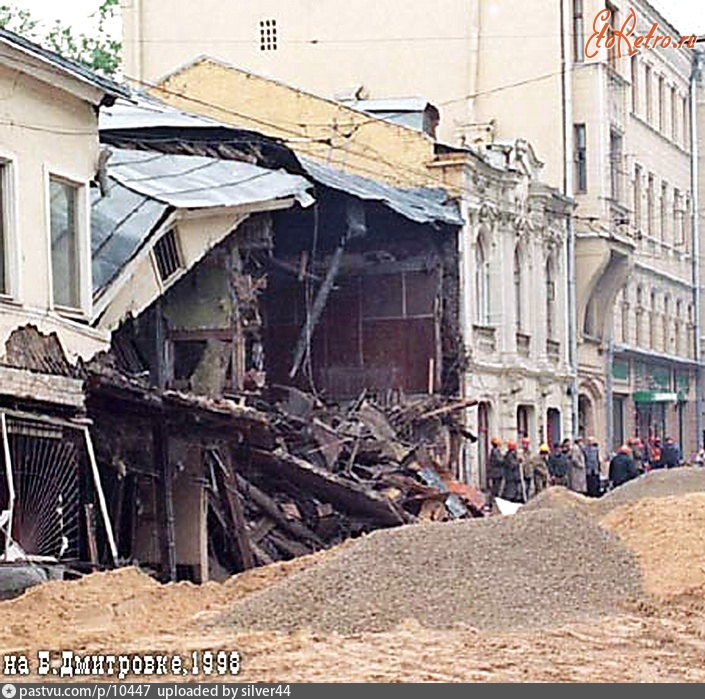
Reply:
x=482 y=282
x=550 y=299
x=518 y=291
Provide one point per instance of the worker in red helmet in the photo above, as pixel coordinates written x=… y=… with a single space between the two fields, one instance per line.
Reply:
x=512 y=474
x=622 y=466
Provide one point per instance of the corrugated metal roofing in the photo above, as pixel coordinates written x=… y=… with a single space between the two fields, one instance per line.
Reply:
x=194 y=182
x=146 y=113
x=419 y=204
x=120 y=222
x=144 y=186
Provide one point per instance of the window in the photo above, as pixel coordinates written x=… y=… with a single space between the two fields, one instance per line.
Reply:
x=674 y=114
x=678 y=322
x=639 y=327
x=166 y=255
x=686 y=122
x=65 y=264
x=677 y=217
x=664 y=212
x=652 y=321
x=550 y=300
x=637 y=197
x=647 y=94
x=613 y=49
x=579 y=136
x=615 y=165
x=578 y=32
x=666 y=324
x=268 y=35
x=4 y=227
x=625 y=317
x=635 y=84
x=482 y=284
x=650 y=205
x=661 y=105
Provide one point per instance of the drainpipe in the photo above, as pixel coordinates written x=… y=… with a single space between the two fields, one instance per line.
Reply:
x=572 y=333
x=695 y=76
x=609 y=397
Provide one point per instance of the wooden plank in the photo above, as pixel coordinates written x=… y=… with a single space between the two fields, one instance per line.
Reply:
x=270 y=507
x=165 y=501
x=349 y=497
x=89 y=513
x=232 y=504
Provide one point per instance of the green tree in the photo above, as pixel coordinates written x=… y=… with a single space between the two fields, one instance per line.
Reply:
x=100 y=52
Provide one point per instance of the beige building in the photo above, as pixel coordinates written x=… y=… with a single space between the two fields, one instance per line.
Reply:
x=615 y=132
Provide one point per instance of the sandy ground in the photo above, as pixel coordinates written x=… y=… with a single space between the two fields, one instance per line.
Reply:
x=658 y=639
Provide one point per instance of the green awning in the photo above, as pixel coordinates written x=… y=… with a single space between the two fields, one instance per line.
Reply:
x=655 y=397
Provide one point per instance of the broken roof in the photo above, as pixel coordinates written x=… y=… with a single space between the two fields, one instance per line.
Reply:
x=144 y=112
x=422 y=205
x=143 y=186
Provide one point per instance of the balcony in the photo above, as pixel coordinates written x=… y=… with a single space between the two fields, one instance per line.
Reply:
x=553 y=350
x=523 y=344
x=485 y=338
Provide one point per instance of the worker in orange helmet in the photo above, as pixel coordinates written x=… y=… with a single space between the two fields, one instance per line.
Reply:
x=622 y=466
x=495 y=467
x=512 y=474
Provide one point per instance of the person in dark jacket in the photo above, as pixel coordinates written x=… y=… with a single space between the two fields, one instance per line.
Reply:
x=592 y=467
x=671 y=453
x=559 y=466
x=495 y=467
x=512 y=474
x=622 y=466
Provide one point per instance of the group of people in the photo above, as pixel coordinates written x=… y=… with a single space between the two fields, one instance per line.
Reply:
x=518 y=474
x=635 y=457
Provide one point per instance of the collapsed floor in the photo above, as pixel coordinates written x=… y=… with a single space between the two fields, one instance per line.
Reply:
x=200 y=488
x=647 y=634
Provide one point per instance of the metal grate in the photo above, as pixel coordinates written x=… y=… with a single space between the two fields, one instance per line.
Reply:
x=166 y=254
x=268 y=35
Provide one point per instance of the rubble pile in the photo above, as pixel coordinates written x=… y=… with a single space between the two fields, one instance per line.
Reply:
x=536 y=569
x=338 y=471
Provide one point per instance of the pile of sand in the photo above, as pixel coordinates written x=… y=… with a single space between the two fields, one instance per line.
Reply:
x=667 y=534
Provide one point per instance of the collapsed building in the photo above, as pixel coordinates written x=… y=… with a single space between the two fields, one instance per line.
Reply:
x=285 y=354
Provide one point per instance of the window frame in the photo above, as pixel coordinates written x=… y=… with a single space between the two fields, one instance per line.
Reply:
x=81 y=187
x=9 y=217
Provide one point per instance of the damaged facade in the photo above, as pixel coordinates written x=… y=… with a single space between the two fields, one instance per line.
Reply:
x=261 y=402
x=278 y=353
